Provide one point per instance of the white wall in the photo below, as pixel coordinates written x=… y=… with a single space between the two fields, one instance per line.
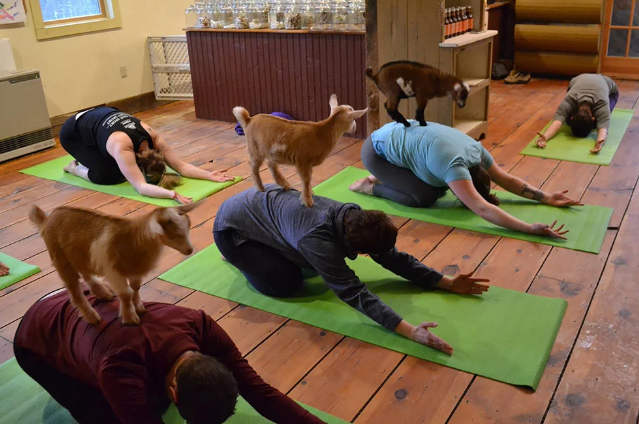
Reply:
x=84 y=70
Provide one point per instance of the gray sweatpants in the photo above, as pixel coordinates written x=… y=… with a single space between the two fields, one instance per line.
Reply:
x=398 y=184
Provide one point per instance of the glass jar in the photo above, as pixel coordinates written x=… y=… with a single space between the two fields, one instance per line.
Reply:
x=201 y=15
x=190 y=15
x=323 y=16
x=356 y=16
x=216 y=14
x=240 y=15
x=276 y=15
x=340 y=16
x=258 y=15
x=293 y=16
x=225 y=8
x=308 y=15
x=209 y=11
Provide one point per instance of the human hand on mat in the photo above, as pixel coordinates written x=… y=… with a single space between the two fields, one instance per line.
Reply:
x=549 y=230
x=464 y=284
x=598 y=146
x=421 y=334
x=541 y=141
x=560 y=199
x=220 y=176
x=4 y=270
x=182 y=199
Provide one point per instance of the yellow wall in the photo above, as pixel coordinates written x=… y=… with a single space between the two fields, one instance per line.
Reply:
x=84 y=70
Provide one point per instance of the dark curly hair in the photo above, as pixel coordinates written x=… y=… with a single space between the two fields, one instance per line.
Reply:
x=153 y=166
x=370 y=232
x=482 y=183
x=206 y=390
x=581 y=123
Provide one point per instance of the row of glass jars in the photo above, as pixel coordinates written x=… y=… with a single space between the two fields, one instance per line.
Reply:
x=335 y=15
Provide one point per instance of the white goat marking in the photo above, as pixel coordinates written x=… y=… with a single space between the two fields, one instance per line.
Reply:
x=155 y=227
x=407 y=87
x=466 y=86
x=277 y=148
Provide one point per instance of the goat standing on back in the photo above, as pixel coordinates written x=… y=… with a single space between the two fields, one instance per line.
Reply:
x=404 y=79
x=303 y=144
x=87 y=243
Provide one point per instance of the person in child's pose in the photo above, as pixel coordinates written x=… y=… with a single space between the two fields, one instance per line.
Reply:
x=114 y=374
x=590 y=100
x=415 y=166
x=270 y=237
x=110 y=147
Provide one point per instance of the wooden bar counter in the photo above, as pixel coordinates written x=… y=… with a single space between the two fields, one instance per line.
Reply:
x=276 y=71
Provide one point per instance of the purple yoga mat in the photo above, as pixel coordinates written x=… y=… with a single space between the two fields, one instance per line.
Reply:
x=240 y=131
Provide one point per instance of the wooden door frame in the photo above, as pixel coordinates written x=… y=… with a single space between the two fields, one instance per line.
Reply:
x=621 y=67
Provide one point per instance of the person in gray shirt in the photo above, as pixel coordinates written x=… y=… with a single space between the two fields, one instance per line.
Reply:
x=270 y=237
x=590 y=100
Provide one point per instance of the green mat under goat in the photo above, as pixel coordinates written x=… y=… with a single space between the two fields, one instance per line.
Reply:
x=587 y=224
x=565 y=146
x=197 y=189
x=25 y=402
x=504 y=335
x=18 y=271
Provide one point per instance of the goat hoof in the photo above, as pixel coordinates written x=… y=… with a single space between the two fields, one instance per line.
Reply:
x=91 y=316
x=406 y=124
x=140 y=309
x=308 y=202
x=102 y=292
x=423 y=124
x=131 y=319
x=286 y=187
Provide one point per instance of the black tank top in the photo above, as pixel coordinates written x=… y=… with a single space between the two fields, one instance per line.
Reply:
x=96 y=126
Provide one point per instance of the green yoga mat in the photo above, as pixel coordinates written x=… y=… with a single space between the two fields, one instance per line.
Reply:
x=587 y=224
x=18 y=271
x=197 y=189
x=504 y=335
x=26 y=402
x=565 y=146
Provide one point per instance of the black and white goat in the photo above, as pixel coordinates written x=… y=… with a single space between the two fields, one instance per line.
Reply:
x=404 y=79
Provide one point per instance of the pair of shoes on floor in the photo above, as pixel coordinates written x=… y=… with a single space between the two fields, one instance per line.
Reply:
x=517 y=78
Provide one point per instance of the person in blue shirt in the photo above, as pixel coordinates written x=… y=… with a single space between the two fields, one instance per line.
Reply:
x=415 y=166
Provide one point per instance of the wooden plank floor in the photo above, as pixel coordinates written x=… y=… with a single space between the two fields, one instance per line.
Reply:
x=592 y=373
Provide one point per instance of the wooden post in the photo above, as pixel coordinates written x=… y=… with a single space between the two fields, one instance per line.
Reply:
x=372 y=60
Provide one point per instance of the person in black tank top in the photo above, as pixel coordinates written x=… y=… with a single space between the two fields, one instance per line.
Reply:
x=110 y=147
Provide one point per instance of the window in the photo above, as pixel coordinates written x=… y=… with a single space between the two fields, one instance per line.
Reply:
x=60 y=18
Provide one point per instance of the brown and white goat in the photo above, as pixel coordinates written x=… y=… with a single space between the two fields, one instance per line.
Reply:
x=302 y=144
x=88 y=243
x=404 y=79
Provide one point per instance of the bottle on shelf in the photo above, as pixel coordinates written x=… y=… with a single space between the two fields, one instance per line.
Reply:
x=462 y=15
x=456 y=23
x=451 y=24
x=471 y=22
x=445 y=24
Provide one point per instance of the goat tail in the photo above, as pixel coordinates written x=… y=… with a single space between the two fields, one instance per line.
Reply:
x=370 y=74
x=242 y=116
x=38 y=217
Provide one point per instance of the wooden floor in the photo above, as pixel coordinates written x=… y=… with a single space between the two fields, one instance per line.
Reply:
x=592 y=373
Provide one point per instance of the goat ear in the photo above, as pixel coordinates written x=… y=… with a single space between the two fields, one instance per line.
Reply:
x=358 y=113
x=188 y=208
x=333 y=101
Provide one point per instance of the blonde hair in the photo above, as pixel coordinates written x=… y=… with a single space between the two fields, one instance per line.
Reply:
x=153 y=166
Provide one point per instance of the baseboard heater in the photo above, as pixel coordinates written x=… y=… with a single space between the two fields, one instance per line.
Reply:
x=25 y=126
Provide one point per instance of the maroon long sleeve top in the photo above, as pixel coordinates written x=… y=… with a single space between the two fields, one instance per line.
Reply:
x=129 y=364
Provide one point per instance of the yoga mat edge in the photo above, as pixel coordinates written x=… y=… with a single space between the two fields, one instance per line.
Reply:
x=18 y=271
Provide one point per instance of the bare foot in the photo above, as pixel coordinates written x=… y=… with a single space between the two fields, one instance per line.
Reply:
x=364 y=186
x=223 y=258
x=71 y=167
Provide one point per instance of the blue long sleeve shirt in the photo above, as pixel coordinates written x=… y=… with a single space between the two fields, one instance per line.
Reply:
x=315 y=238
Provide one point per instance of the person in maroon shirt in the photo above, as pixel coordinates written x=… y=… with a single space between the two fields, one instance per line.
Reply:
x=110 y=373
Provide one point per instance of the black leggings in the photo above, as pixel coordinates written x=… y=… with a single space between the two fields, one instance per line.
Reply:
x=398 y=184
x=103 y=170
x=268 y=271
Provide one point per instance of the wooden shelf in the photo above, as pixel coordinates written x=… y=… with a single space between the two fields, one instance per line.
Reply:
x=466 y=39
x=498 y=4
x=468 y=126
x=274 y=31
x=476 y=84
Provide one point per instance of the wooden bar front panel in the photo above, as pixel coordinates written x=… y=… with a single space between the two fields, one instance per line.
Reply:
x=274 y=72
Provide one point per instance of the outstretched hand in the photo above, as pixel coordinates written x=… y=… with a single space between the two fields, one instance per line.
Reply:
x=560 y=199
x=541 y=141
x=598 y=146
x=549 y=230
x=421 y=334
x=4 y=270
x=221 y=176
x=466 y=284
x=183 y=199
